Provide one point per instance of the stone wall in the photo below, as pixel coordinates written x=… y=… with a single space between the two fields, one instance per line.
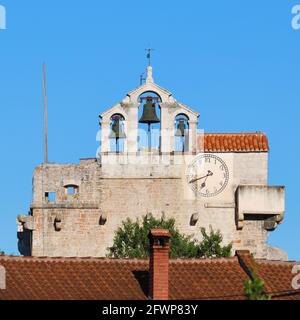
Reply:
x=131 y=190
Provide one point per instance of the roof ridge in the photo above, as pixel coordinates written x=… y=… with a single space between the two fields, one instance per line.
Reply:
x=116 y=260
x=202 y=260
x=71 y=259
x=280 y=262
x=143 y=260
x=251 y=267
x=236 y=133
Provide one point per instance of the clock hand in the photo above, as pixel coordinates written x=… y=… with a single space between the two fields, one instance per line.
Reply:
x=196 y=179
x=204 y=182
x=209 y=173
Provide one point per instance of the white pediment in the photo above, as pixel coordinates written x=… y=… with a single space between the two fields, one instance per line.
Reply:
x=165 y=95
x=186 y=109
x=167 y=99
x=111 y=111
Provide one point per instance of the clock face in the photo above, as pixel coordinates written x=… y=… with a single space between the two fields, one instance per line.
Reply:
x=207 y=175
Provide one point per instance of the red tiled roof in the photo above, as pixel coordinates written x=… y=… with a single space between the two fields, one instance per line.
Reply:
x=72 y=279
x=277 y=275
x=207 y=279
x=118 y=279
x=233 y=142
x=278 y=278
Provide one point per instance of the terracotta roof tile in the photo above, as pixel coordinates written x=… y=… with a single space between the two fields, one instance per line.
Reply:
x=234 y=142
x=277 y=275
x=278 y=279
x=71 y=279
x=207 y=279
x=122 y=279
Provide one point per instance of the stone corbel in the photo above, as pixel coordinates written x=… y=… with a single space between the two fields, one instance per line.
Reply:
x=270 y=223
x=194 y=219
x=58 y=222
x=267 y=203
x=103 y=219
x=25 y=222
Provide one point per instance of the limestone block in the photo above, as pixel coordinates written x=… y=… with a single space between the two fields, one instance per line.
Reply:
x=26 y=222
x=259 y=200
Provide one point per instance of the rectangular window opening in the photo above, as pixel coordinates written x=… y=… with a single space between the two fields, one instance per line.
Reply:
x=50 y=196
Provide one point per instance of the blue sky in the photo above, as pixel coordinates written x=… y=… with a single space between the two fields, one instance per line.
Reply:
x=236 y=62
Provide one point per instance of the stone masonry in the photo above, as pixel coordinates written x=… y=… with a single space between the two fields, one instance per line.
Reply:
x=116 y=186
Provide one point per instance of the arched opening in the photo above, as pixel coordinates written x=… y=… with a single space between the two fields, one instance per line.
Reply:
x=117 y=133
x=181 y=138
x=71 y=190
x=149 y=116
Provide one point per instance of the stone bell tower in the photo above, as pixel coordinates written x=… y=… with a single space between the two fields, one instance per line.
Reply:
x=217 y=180
x=129 y=109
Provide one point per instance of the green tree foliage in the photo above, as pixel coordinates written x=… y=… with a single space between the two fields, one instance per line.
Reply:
x=131 y=241
x=211 y=245
x=255 y=289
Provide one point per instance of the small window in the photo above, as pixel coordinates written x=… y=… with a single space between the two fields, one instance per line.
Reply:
x=50 y=196
x=71 y=190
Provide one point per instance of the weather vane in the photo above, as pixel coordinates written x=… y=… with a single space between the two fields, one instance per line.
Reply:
x=149 y=55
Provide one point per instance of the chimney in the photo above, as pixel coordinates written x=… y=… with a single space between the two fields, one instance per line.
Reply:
x=159 y=264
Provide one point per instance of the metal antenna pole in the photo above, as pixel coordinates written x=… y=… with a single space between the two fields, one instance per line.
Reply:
x=45 y=116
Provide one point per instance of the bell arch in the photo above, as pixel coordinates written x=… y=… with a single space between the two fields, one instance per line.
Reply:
x=164 y=94
x=117 y=134
x=181 y=133
x=150 y=93
x=149 y=123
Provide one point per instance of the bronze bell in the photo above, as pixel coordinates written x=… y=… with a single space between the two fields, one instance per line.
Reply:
x=117 y=130
x=180 y=131
x=149 y=113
